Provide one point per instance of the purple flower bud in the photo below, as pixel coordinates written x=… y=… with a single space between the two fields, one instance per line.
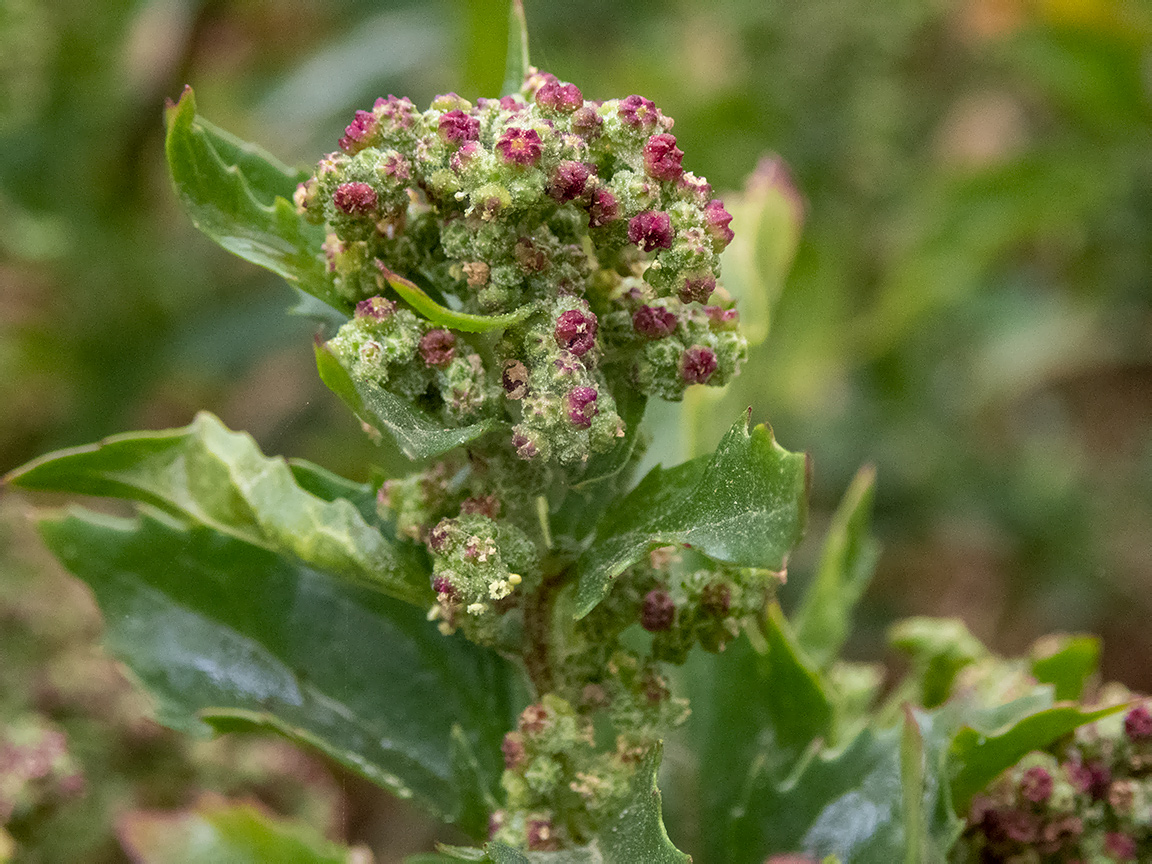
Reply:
x=662 y=157
x=438 y=536
x=520 y=146
x=395 y=166
x=533 y=719
x=716 y=599
x=638 y=112
x=560 y=97
x=1092 y=778
x=457 y=127
x=586 y=122
x=720 y=318
x=511 y=103
x=653 y=322
x=463 y=157
x=515 y=379
x=513 y=749
x=568 y=181
x=358 y=133
x=576 y=331
x=650 y=230
x=657 y=611
x=698 y=288
x=438 y=347
x=541 y=836
x=1036 y=784
x=1120 y=846
x=697 y=188
x=717 y=220
x=376 y=308
x=602 y=209
x=1138 y=723
x=582 y=406
x=697 y=364
x=355 y=199
x=525 y=446
x=441 y=585
x=397 y=113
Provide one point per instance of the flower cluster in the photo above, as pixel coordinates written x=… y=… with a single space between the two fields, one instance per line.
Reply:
x=1090 y=800
x=580 y=210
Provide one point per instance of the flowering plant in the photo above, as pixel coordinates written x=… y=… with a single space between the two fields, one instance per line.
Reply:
x=501 y=286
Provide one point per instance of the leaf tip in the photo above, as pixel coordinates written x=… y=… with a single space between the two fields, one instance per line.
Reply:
x=186 y=102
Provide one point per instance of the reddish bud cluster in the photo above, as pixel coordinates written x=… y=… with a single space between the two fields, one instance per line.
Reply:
x=697 y=288
x=576 y=331
x=456 y=127
x=718 y=220
x=638 y=112
x=582 y=406
x=438 y=347
x=697 y=364
x=602 y=209
x=662 y=157
x=355 y=199
x=653 y=322
x=358 y=132
x=650 y=230
x=560 y=97
x=520 y=146
x=568 y=181
x=657 y=611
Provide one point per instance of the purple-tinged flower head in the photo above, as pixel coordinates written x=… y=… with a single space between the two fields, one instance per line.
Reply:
x=441 y=585
x=395 y=113
x=376 y=308
x=525 y=447
x=567 y=364
x=355 y=199
x=438 y=536
x=696 y=188
x=541 y=836
x=513 y=749
x=515 y=379
x=717 y=220
x=560 y=97
x=716 y=599
x=697 y=365
x=1090 y=778
x=438 y=347
x=697 y=287
x=586 y=122
x=520 y=146
x=1119 y=846
x=653 y=322
x=1138 y=723
x=511 y=103
x=463 y=157
x=456 y=127
x=358 y=133
x=662 y=157
x=650 y=230
x=582 y=406
x=720 y=318
x=534 y=719
x=451 y=102
x=568 y=181
x=638 y=112
x=395 y=166
x=602 y=208
x=1036 y=784
x=576 y=331
x=657 y=611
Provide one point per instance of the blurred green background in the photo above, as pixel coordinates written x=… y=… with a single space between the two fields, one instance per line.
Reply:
x=970 y=309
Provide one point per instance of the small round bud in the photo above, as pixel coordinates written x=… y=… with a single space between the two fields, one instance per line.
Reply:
x=602 y=209
x=720 y=318
x=657 y=611
x=716 y=599
x=457 y=127
x=560 y=97
x=1036 y=784
x=653 y=322
x=662 y=157
x=441 y=585
x=650 y=230
x=586 y=122
x=717 y=220
x=515 y=379
x=582 y=406
x=513 y=749
x=534 y=719
x=525 y=447
x=438 y=347
x=358 y=132
x=376 y=308
x=576 y=331
x=697 y=288
x=697 y=364
x=438 y=536
x=463 y=157
x=638 y=112
x=1138 y=723
x=520 y=146
x=355 y=199
x=568 y=181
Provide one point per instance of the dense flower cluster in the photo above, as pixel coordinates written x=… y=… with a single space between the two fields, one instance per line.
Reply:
x=579 y=210
x=1088 y=801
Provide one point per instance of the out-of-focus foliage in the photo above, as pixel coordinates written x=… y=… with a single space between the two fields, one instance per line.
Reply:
x=970 y=308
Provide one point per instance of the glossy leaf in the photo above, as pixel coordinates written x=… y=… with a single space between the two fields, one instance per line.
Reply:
x=220 y=630
x=419 y=300
x=517 y=64
x=214 y=477
x=241 y=198
x=1066 y=662
x=214 y=833
x=744 y=505
x=978 y=755
x=824 y=619
x=417 y=434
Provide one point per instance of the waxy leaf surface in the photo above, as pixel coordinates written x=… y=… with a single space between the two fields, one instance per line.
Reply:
x=744 y=505
x=222 y=631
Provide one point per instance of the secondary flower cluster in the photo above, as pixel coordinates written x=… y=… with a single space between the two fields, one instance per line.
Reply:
x=580 y=210
x=1089 y=801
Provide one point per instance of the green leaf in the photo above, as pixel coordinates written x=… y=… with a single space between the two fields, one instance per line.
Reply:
x=218 y=833
x=846 y=566
x=978 y=755
x=241 y=198
x=939 y=648
x=1066 y=662
x=744 y=505
x=210 y=476
x=419 y=300
x=912 y=785
x=220 y=630
x=517 y=64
